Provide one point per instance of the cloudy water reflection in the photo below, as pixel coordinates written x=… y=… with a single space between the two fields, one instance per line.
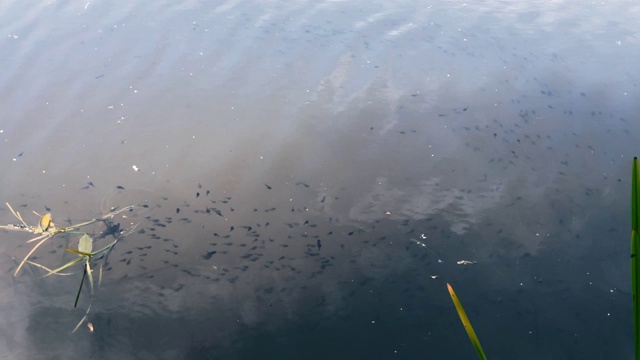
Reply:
x=307 y=177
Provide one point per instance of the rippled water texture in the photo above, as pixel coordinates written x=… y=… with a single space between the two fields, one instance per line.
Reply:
x=307 y=175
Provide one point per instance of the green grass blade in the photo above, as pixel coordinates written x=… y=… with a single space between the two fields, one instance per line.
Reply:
x=85 y=317
x=467 y=324
x=635 y=201
x=45 y=238
x=635 y=259
x=74 y=251
x=635 y=277
x=70 y=263
x=106 y=248
x=46 y=268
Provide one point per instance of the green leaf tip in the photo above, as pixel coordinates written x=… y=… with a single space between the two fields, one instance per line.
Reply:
x=635 y=259
x=466 y=323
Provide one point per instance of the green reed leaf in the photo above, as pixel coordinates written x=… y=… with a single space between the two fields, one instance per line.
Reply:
x=466 y=323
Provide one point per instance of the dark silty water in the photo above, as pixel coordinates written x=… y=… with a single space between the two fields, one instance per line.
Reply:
x=308 y=176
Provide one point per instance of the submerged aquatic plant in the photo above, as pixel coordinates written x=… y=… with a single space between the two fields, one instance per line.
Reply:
x=466 y=323
x=85 y=245
x=46 y=229
x=635 y=260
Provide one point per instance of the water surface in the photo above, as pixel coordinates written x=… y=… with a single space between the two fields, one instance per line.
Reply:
x=310 y=173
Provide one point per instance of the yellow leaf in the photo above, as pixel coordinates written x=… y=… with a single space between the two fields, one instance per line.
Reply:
x=45 y=222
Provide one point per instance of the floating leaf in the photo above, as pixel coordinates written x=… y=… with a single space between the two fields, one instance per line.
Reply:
x=45 y=222
x=85 y=244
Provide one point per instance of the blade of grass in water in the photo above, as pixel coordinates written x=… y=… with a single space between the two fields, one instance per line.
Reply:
x=467 y=324
x=84 y=318
x=635 y=259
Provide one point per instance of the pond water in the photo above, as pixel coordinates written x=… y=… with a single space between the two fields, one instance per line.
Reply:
x=307 y=176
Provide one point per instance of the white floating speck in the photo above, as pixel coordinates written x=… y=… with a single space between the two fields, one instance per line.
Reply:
x=135 y=168
x=466 y=262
